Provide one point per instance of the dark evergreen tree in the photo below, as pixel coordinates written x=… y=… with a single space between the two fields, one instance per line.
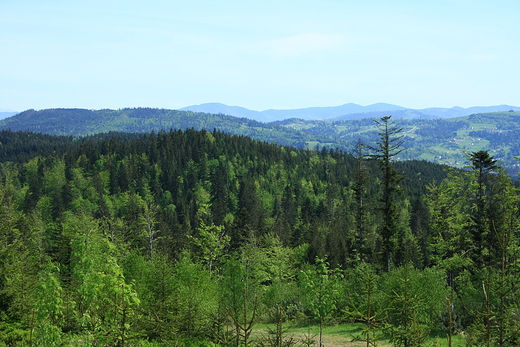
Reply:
x=360 y=182
x=385 y=151
x=219 y=191
x=482 y=164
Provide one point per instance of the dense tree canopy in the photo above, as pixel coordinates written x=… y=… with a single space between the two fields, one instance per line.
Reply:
x=194 y=235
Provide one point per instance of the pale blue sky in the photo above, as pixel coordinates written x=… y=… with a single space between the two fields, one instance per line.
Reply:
x=258 y=54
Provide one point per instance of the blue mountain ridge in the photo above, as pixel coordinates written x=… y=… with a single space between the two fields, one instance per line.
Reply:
x=346 y=111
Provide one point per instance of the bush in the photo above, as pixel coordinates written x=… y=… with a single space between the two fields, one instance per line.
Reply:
x=13 y=336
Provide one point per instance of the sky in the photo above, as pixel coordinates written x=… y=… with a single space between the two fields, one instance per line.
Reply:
x=261 y=55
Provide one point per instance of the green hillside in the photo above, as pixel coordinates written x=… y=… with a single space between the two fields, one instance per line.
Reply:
x=81 y=122
x=442 y=141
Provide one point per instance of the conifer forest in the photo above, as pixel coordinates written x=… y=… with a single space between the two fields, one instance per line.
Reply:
x=200 y=238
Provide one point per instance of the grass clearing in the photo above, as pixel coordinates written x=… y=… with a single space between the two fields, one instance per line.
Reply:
x=347 y=335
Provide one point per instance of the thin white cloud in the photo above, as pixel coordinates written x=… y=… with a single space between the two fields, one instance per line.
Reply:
x=303 y=44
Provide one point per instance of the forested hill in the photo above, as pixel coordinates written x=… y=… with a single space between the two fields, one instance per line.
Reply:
x=251 y=187
x=438 y=140
x=181 y=237
x=81 y=122
x=442 y=141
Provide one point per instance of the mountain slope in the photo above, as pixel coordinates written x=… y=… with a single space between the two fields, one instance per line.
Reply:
x=438 y=140
x=461 y=112
x=81 y=122
x=216 y=108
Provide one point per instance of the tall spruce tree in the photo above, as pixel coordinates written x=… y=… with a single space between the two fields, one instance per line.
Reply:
x=384 y=152
x=360 y=195
x=450 y=242
x=482 y=164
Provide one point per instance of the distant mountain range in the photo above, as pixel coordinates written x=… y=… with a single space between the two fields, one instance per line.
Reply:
x=346 y=112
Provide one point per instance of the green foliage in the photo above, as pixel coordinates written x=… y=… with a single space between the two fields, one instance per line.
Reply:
x=238 y=302
x=18 y=262
x=437 y=140
x=270 y=261
x=211 y=242
x=195 y=297
x=321 y=289
x=387 y=147
x=105 y=303
x=277 y=335
x=78 y=122
x=427 y=287
x=48 y=307
x=47 y=334
x=449 y=223
x=14 y=335
x=406 y=329
x=187 y=236
x=155 y=284
x=364 y=300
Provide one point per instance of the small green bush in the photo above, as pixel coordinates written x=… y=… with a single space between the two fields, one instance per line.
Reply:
x=11 y=335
